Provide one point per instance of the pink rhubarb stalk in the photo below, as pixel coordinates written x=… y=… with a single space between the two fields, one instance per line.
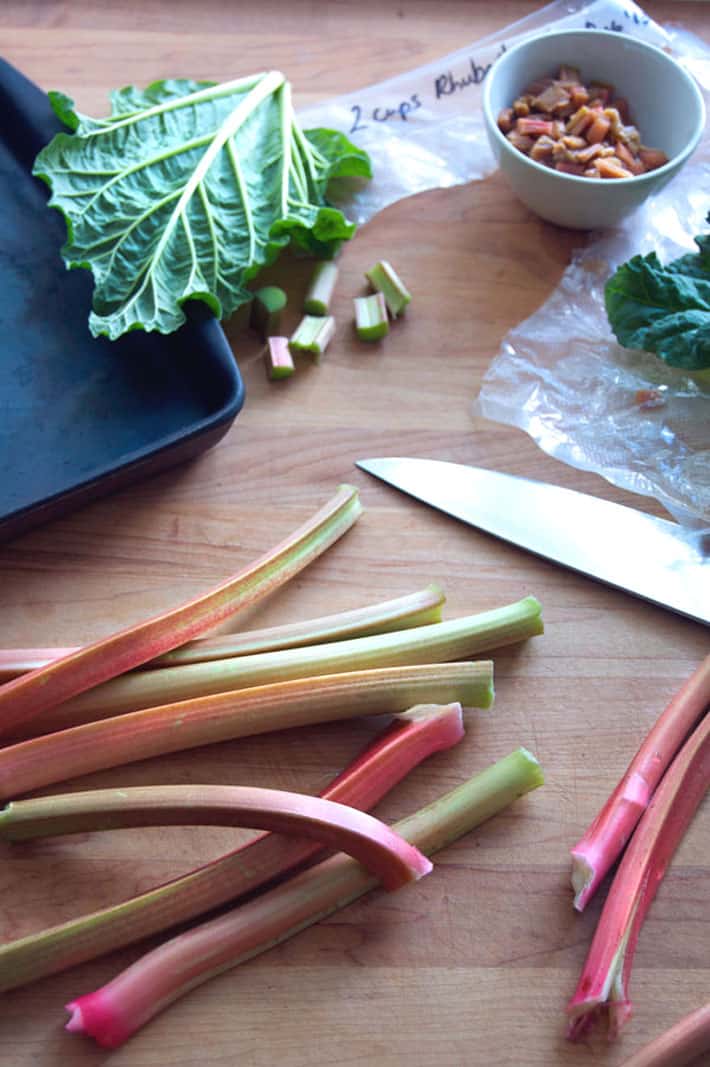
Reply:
x=406 y=742
x=679 y=1046
x=381 y=850
x=595 y=854
x=413 y=609
x=604 y=981
x=117 y=1010
x=141 y=735
x=31 y=694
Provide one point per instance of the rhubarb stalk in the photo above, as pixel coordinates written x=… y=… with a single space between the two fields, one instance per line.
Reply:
x=406 y=742
x=604 y=981
x=140 y=735
x=679 y=1046
x=31 y=694
x=335 y=825
x=117 y=1010
x=595 y=854
x=449 y=640
x=413 y=609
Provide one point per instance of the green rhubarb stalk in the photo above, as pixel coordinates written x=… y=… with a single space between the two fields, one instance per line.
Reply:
x=406 y=742
x=598 y=850
x=313 y=334
x=384 y=278
x=604 y=981
x=265 y=312
x=279 y=363
x=435 y=643
x=187 y=724
x=32 y=694
x=335 y=825
x=371 y=322
x=320 y=291
x=413 y=609
x=117 y=1010
x=679 y=1046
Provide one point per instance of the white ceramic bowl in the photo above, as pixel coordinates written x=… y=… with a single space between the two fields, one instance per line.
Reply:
x=665 y=105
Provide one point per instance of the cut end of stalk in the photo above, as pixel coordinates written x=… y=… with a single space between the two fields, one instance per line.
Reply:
x=530 y=769
x=93 y=1016
x=449 y=722
x=582 y=878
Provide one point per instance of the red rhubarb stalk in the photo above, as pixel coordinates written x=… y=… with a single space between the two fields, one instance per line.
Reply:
x=406 y=742
x=679 y=1046
x=595 y=854
x=117 y=1010
x=376 y=846
x=604 y=981
x=141 y=735
x=413 y=609
x=31 y=694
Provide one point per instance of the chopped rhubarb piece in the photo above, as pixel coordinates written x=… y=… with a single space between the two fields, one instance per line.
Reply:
x=569 y=74
x=622 y=106
x=266 y=309
x=534 y=127
x=552 y=99
x=320 y=291
x=277 y=356
x=384 y=279
x=578 y=96
x=314 y=334
x=610 y=167
x=520 y=141
x=371 y=320
x=577 y=123
x=542 y=149
x=628 y=160
x=521 y=106
x=570 y=168
x=652 y=158
x=506 y=120
x=598 y=129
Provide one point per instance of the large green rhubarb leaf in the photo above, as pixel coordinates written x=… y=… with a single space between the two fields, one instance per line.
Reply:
x=186 y=191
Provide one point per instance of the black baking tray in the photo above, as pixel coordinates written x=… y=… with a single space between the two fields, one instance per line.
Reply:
x=83 y=416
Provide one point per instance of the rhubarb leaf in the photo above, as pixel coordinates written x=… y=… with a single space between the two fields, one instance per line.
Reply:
x=664 y=309
x=186 y=191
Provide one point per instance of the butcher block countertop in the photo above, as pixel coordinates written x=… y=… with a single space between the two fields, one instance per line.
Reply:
x=474 y=965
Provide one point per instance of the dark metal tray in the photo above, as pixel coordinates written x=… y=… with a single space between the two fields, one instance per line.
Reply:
x=80 y=417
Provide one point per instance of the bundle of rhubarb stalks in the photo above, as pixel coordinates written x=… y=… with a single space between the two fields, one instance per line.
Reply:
x=642 y=824
x=160 y=687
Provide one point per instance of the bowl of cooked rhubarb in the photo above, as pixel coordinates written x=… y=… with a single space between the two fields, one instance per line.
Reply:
x=586 y=124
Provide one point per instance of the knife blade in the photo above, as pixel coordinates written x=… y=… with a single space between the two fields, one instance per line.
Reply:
x=657 y=560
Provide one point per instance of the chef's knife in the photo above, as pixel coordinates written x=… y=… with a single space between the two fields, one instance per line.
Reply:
x=652 y=558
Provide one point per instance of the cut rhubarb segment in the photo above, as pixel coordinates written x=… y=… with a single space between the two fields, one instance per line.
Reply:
x=277 y=357
x=371 y=322
x=381 y=850
x=118 y=1009
x=266 y=310
x=320 y=291
x=31 y=694
x=314 y=334
x=596 y=853
x=406 y=742
x=384 y=278
x=604 y=982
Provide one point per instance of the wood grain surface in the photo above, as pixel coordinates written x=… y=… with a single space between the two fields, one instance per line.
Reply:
x=473 y=966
